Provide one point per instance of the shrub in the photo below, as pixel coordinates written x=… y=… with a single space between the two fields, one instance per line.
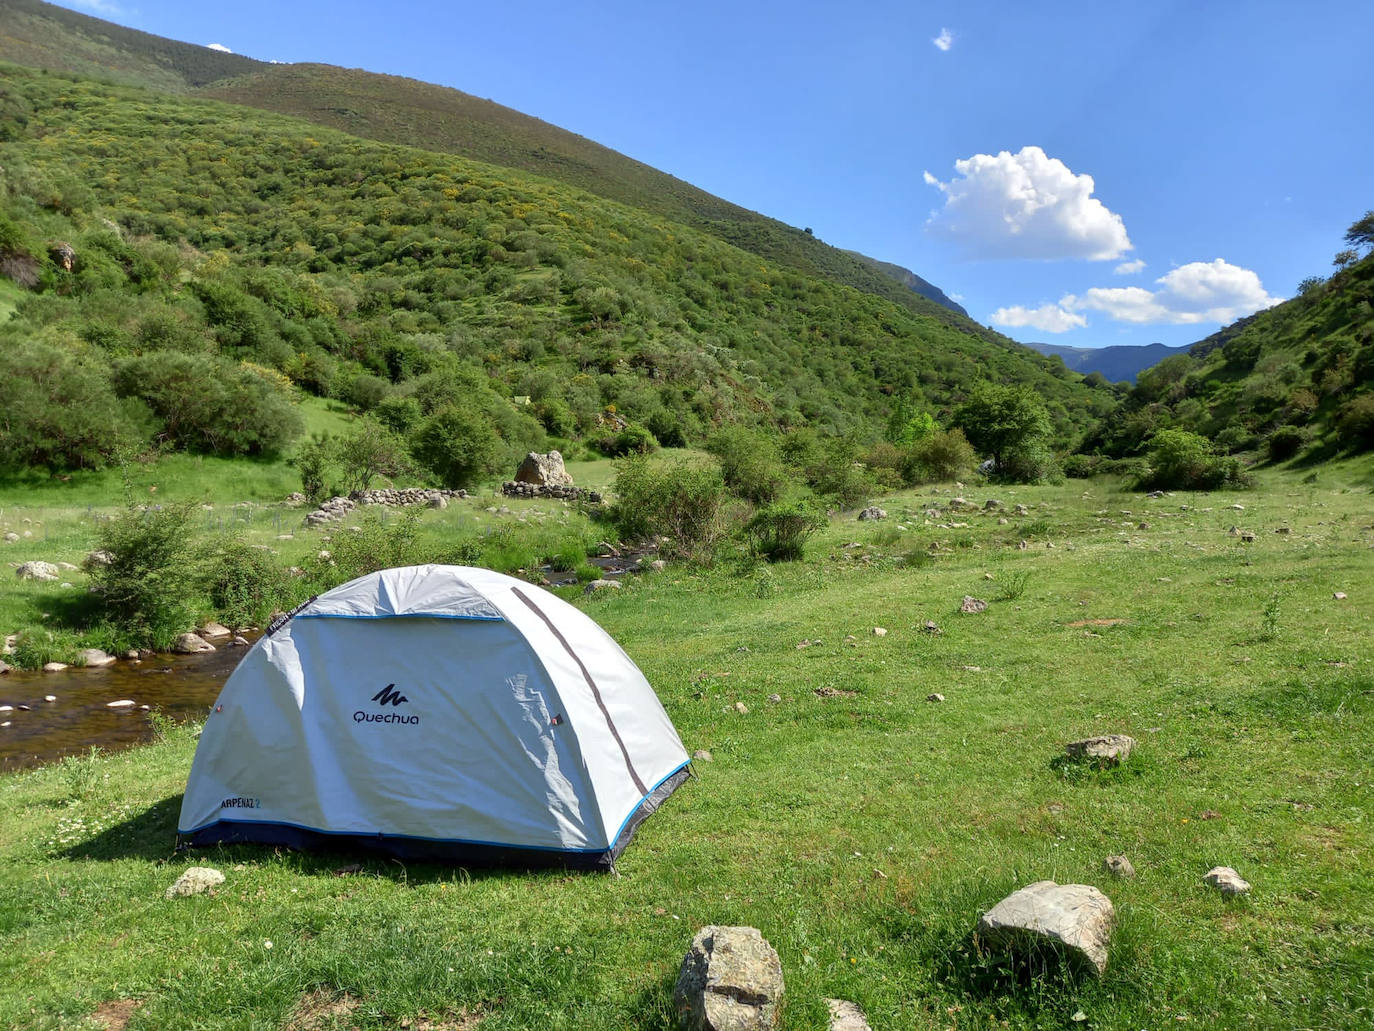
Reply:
x=1355 y=422
x=1284 y=443
x=750 y=463
x=458 y=445
x=685 y=501
x=151 y=589
x=382 y=543
x=888 y=464
x=941 y=456
x=632 y=440
x=1180 y=460
x=1029 y=463
x=246 y=585
x=369 y=451
x=1081 y=467
x=779 y=531
x=838 y=477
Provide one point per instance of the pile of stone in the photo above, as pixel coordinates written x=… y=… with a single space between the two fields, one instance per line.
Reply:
x=401 y=497
x=330 y=511
x=516 y=489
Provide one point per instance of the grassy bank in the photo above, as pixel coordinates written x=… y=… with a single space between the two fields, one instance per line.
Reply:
x=860 y=827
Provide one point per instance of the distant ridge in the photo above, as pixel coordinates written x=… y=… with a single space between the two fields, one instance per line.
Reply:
x=911 y=281
x=393 y=109
x=1118 y=362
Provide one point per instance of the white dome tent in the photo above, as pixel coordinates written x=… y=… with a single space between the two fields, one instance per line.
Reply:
x=435 y=712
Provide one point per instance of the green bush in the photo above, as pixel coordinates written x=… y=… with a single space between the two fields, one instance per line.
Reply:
x=151 y=590
x=778 y=532
x=246 y=585
x=383 y=542
x=941 y=456
x=459 y=446
x=1284 y=443
x=750 y=463
x=1179 y=460
x=1081 y=467
x=1032 y=462
x=683 y=500
x=1355 y=422
x=632 y=440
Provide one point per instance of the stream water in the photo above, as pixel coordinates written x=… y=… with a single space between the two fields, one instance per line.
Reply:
x=180 y=686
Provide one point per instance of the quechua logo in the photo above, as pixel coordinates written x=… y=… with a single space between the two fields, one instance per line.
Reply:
x=387 y=696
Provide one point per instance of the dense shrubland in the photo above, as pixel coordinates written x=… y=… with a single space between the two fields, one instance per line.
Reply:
x=222 y=263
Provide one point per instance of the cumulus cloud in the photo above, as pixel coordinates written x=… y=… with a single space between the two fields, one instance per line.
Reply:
x=1048 y=318
x=944 y=40
x=1128 y=268
x=1025 y=205
x=99 y=6
x=1201 y=291
x=218 y=46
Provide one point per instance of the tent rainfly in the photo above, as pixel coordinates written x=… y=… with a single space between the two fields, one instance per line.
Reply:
x=435 y=712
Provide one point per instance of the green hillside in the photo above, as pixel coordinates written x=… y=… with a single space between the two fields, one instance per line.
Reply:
x=281 y=255
x=1295 y=379
x=392 y=109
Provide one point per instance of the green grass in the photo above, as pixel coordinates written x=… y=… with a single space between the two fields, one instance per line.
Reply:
x=862 y=833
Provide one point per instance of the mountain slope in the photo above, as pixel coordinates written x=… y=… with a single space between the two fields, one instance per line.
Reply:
x=911 y=281
x=1116 y=363
x=404 y=280
x=392 y=109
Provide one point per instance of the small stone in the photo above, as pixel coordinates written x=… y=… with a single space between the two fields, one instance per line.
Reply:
x=94 y=658
x=50 y=698
x=742 y=709
x=1226 y=880
x=190 y=644
x=1106 y=750
x=602 y=585
x=1247 y=536
x=775 y=698
x=4 y=667
x=1118 y=866
x=1338 y=595
x=879 y=631
x=239 y=641
x=1283 y=531
x=703 y=755
x=846 y=1016
x=132 y=655
x=54 y=667
x=730 y=980
x=1076 y=916
x=194 y=881
x=929 y=627
x=121 y=703
x=214 y=630
x=935 y=696
x=872 y=512
x=971 y=604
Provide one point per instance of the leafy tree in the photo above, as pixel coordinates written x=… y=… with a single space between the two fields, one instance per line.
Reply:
x=1361 y=232
x=1180 y=460
x=1344 y=259
x=998 y=420
x=1306 y=286
x=370 y=451
x=459 y=445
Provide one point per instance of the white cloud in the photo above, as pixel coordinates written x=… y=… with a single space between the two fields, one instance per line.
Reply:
x=218 y=46
x=1049 y=318
x=1128 y=268
x=98 y=6
x=944 y=40
x=1025 y=205
x=1202 y=291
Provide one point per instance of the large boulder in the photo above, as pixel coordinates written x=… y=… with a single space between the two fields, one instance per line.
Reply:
x=543 y=470
x=731 y=980
x=189 y=644
x=1107 y=750
x=1077 y=917
x=37 y=571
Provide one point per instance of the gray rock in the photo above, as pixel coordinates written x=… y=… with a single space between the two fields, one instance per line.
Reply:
x=96 y=559
x=1226 y=880
x=1022 y=510
x=991 y=505
x=1076 y=916
x=1107 y=750
x=775 y=698
x=602 y=585
x=1118 y=866
x=872 y=512
x=214 y=630
x=37 y=571
x=935 y=696
x=702 y=755
x=54 y=667
x=194 y=881
x=94 y=658
x=972 y=604
x=4 y=667
x=121 y=703
x=438 y=501
x=189 y=644
x=731 y=980
x=67 y=567
x=1338 y=595
x=543 y=470
x=846 y=1016
x=930 y=627
x=11 y=537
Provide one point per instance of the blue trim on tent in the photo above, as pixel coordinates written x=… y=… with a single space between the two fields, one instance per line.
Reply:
x=400 y=615
x=647 y=795
x=396 y=837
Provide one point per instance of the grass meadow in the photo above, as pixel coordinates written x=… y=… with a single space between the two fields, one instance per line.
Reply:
x=859 y=826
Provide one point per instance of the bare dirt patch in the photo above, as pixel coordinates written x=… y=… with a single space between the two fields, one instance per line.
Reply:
x=115 y=1014
x=833 y=692
x=1097 y=622
x=322 y=1010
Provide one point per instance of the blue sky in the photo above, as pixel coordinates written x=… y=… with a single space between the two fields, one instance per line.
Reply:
x=1084 y=173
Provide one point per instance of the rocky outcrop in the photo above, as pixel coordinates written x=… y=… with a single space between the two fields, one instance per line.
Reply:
x=543 y=470
x=731 y=980
x=516 y=489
